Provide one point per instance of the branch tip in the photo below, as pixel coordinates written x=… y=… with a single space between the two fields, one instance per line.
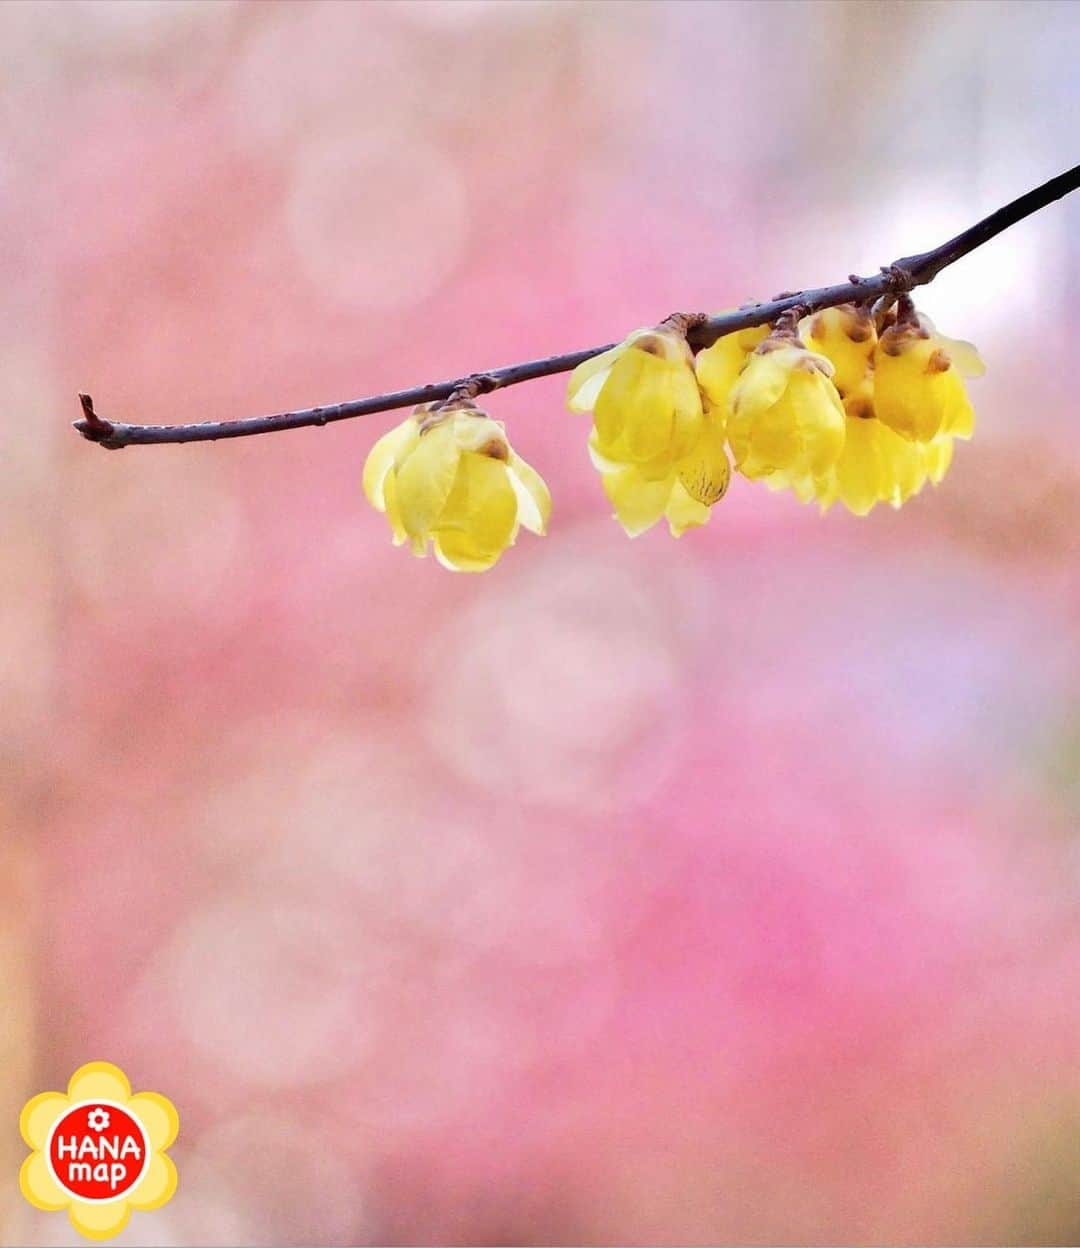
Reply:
x=91 y=421
x=93 y=427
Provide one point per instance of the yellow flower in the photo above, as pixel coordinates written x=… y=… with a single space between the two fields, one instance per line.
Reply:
x=875 y=466
x=98 y=1118
x=657 y=452
x=719 y=366
x=448 y=475
x=846 y=337
x=785 y=414
x=684 y=497
x=919 y=381
x=644 y=399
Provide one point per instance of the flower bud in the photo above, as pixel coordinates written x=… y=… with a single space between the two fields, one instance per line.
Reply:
x=657 y=452
x=785 y=414
x=846 y=336
x=875 y=466
x=644 y=400
x=919 y=381
x=449 y=476
x=718 y=367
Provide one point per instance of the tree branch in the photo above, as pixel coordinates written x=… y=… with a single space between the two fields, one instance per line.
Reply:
x=896 y=279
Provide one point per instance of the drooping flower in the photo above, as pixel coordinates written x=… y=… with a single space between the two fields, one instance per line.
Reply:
x=658 y=453
x=919 y=375
x=448 y=475
x=683 y=497
x=644 y=400
x=875 y=466
x=846 y=337
x=718 y=367
x=785 y=414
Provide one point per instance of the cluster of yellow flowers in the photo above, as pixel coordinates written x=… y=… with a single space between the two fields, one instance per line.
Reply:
x=838 y=407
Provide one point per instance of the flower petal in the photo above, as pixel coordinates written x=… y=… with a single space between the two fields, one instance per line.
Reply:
x=157 y=1186
x=38 y=1116
x=587 y=380
x=158 y=1115
x=424 y=481
x=388 y=451
x=877 y=466
x=480 y=518
x=638 y=503
x=965 y=356
x=846 y=336
x=760 y=384
x=821 y=419
x=457 y=553
x=38 y=1185
x=599 y=460
x=938 y=455
x=476 y=431
x=99 y=1081
x=684 y=512
x=860 y=471
x=688 y=414
x=705 y=473
x=634 y=413
x=99 y=1221
x=393 y=511
x=805 y=488
x=533 y=495
x=719 y=366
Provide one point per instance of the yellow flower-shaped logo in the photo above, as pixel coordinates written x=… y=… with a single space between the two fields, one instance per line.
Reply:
x=98 y=1151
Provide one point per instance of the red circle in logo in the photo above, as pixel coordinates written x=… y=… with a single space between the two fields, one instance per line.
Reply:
x=97 y=1151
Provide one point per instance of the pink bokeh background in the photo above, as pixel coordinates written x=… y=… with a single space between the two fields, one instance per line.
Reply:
x=650 y=892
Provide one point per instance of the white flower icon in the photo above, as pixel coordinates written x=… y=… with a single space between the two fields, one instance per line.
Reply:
x=97 y=1119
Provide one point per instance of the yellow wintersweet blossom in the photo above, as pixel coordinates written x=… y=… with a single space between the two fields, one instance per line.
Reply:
x=846 y=337
x=719 y=366
x=106 y=1088
x=919 y=380
x=683 y=497
x=644 y=400
x=449 y=476
x=785 y=414
x=658 y=454
x=875 y=466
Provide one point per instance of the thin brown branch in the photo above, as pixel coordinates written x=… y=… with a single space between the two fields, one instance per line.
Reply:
x=893 y=280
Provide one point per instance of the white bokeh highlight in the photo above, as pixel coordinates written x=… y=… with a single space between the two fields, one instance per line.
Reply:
x=272 y=992
x=563 y=685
